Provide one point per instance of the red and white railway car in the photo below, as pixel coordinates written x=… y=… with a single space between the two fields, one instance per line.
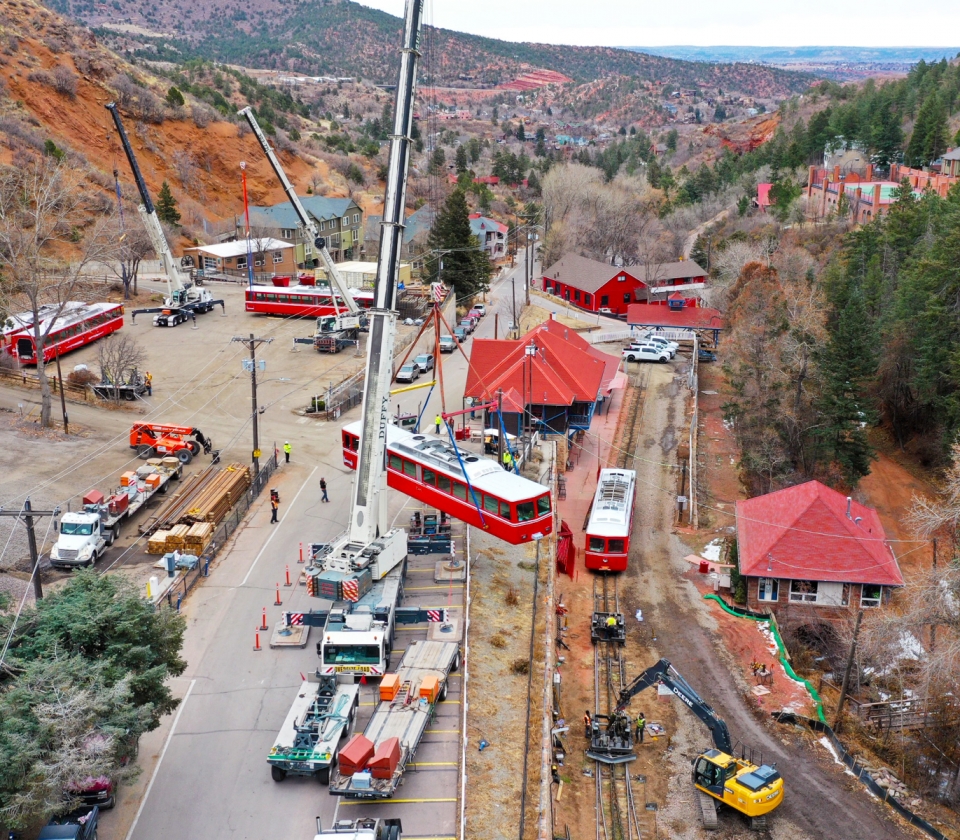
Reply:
x=301 y=301
x=77 y=325
x=481 y=493
x=611 y=520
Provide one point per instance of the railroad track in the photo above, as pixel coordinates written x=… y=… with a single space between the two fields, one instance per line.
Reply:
x=627 y=444
x=616 y=813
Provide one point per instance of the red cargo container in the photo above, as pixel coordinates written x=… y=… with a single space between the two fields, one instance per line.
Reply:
x=355 y=755
x=118 y=504
x=385 y=759
x=93 y=497
x=283 y=282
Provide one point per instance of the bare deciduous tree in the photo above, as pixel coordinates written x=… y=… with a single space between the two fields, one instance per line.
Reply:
x=47 y=239
x=120 y=358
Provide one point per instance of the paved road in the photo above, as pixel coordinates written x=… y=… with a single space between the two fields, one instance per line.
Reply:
x=205 y=770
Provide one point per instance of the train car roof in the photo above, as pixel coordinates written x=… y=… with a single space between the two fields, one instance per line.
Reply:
x=75 y=312
x=484 y=474
x=24 y=320
x=612 y=503
x=300 y=289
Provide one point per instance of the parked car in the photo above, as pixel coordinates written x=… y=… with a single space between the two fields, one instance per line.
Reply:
x=639 y=345
x=77 y=825
x=413 y=322
x=461 y=334
x=447 y=344
x=468 y=324
x=424 y=361
x=645 y=338
x=606 y=310
x=94 y=791
x=706 y=355
x=646 y=353
x=480 y=308
x=410 y=372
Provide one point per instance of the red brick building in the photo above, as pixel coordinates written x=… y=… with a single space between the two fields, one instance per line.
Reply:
x=814 y=547
x=593 y=285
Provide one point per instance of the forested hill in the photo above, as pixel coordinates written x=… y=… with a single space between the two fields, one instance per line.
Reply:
x=342 y=38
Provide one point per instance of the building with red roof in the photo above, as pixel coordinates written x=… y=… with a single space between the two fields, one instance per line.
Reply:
x=551 y=369
x=814 y=547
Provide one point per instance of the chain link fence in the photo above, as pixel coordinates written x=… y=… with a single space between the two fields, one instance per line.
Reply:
x=177 y=593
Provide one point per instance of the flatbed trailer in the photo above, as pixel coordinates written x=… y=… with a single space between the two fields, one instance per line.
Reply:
x=316 y=725
x=372 y=764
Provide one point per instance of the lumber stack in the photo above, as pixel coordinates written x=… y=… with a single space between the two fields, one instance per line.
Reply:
x=197 y=537
x=157 y=543
x=203 y=498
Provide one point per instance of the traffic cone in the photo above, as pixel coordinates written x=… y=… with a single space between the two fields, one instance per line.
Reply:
x=278 y=602
x=263 y=624
x=288 y=575
x=300 y=559
x=256 y=643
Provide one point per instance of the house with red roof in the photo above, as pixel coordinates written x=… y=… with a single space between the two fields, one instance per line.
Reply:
x=813 y=547
x=552 y=370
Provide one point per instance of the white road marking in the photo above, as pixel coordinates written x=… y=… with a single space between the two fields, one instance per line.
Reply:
x=273 y=533
x=163 y=752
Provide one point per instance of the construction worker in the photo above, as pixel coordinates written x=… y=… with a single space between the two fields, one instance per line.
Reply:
x=274 y=507
x=587 y=722
x=438 y=420
x=323 y=489
x=507 y=460
x=611 y=621
x=287 y=449
x=641 y=723
x=149 y=379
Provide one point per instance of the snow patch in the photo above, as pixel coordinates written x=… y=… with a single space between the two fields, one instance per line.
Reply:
x=825 y=741
x=711 y=551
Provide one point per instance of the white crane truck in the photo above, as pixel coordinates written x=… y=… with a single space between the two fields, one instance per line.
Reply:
x=184 y=300
x=316 y=725
x=84 y=536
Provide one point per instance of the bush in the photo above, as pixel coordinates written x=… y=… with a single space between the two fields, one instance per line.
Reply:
x=520 y=666
x=65 y=81
x=738 y=583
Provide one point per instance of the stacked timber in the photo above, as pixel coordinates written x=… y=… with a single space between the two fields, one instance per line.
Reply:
x=205 y=497
x=175 y=538
x=198 y=537
x=157 y=543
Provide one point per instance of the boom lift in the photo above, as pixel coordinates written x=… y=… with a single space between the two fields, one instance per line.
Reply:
x=718 y=776
x=354 y=318
x=183 y=442
x=184 y=300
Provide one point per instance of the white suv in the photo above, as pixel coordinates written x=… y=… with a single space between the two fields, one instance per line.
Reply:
x=646 y=353
x=659 y=345
x=659 y=339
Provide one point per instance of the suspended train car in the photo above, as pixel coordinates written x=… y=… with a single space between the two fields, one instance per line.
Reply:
x=479 y=492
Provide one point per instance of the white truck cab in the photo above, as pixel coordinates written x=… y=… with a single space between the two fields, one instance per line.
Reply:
x=81 y=541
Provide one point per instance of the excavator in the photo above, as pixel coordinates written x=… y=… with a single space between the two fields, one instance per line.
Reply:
x=718 y=776
x=184 y=300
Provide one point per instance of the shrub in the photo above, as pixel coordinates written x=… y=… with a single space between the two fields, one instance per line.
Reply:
x=65 y=81
x=520 y=666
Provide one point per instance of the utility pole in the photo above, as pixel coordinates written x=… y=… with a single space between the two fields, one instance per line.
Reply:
x=846 y=674
x=28 y=514
x=527 y=268
x=252 y=343
x=513 y=286
x=500 y=430
x=63 y=399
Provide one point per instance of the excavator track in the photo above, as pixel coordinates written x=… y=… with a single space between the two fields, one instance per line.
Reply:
x=758 y=823
x=708 y=811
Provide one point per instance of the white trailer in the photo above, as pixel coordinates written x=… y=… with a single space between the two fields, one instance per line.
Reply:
x=318 y=722
x=366 y=828
x=406 y=708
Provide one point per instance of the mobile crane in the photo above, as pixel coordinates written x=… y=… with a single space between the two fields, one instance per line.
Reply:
x=184 y=300
x=718 y=776
x=348 y=322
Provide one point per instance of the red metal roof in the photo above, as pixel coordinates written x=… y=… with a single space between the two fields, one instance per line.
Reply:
x=688 y=318
x=804 y=533
x=565 y=368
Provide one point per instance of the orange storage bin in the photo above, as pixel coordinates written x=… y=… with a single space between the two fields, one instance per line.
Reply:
x=430 y=688
x=385 y=759
x=128 y=479
x=153 y=480
x=355 y=755
x=389 y=686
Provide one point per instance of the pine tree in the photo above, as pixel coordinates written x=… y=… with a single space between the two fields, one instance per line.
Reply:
x=465 y=267
x=521 y=132
x=461 y=159
x=848 y=365
x=167 y=206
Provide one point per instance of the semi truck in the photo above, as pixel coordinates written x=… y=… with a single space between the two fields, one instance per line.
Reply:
x=371 y=765
x=318 y=722
x=84 y=536
x=366 y=828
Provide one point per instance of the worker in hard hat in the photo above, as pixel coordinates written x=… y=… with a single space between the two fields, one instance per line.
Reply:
x=287 y=449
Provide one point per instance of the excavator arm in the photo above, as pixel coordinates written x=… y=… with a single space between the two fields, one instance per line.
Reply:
x=665 y=674
x=309 y=225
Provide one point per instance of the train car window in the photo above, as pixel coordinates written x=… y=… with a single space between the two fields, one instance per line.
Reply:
x=443 y=483
x=596 y=543
x=410 y=468
x=491 y=504
x=524 y=511
x=616 y=546
x=543 y=505
x=460 y=490
x=430 y=477
x=354 y=443
x=396 y=462
x=505 y=510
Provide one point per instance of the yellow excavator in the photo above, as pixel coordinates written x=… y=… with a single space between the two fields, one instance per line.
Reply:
x=755 y=790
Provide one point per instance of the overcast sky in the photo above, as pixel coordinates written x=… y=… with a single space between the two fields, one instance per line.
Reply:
x=700 y=22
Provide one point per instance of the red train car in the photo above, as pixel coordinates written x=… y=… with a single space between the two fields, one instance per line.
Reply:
x=77 y=325
x=480 y=493
x=300 y=301
x=611 y=521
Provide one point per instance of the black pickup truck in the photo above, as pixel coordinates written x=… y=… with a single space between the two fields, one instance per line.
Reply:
x=77 y=825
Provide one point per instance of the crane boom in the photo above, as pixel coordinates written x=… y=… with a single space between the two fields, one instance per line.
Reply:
x=663 y=672
x=175 y=285
x=309 y=225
